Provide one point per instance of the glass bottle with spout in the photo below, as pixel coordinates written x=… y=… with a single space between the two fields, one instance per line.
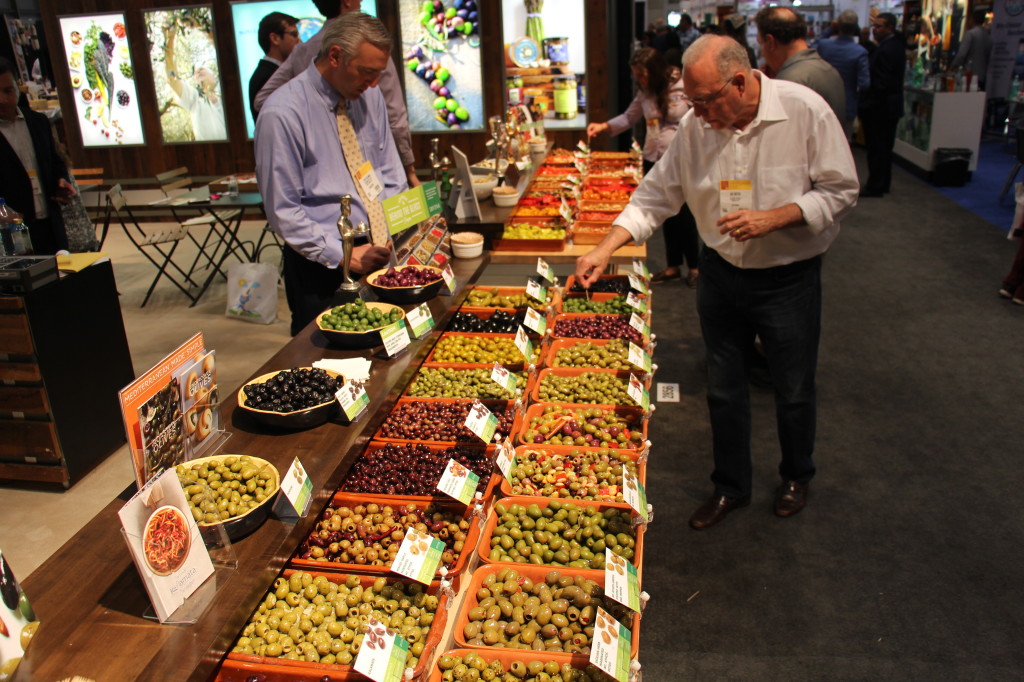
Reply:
x=348 y=234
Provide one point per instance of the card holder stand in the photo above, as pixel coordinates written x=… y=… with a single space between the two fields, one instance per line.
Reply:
x=195 y=605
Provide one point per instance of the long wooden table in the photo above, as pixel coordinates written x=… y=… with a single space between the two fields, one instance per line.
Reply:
x=89 y=596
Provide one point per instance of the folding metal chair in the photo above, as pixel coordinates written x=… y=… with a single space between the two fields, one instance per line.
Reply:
x=158 y=247
x=178 y=178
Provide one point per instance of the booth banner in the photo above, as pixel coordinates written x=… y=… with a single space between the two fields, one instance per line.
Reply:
x=1007 y=58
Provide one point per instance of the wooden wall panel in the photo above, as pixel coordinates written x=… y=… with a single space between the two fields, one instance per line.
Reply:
x=236 y=155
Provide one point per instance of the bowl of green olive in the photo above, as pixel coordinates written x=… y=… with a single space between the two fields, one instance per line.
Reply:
x=297 y=398
x=233 y=491
x=357 y=324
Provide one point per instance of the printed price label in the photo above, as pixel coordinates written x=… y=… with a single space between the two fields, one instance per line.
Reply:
x=449 y=278
x=395 y=337
x=634 y=493
x=638 y=393
x=383 y=653
x=638 y=358
x=503 y=378
x=523 y=344
x=640 y=268
x=506 y=459
x=545 y=270
x=582 y=146
x=637 y=323
x=535 y=321
x=609 y=649
x=620 y=581
x=481 y=421
x=420 y=320
x=459 y=482
x=534 y=288
x=298 y=487
x=353 y=399
x=566 y=212
x=635 y=146
x=418 y=557
x=575 y=179
x=637 y=283
x=636 y=303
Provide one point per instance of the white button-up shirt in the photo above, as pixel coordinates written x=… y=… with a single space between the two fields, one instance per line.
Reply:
x=794 y=151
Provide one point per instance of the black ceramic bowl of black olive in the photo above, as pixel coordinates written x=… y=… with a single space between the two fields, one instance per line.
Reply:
x=297 y=398
x=388 y=285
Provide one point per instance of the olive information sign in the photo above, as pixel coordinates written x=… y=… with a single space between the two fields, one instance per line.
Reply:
x=610 y=649
x=383 y=653
x=418 y=557
x=620 y=580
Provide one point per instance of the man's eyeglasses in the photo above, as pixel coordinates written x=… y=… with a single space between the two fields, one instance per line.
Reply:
x=703 y=102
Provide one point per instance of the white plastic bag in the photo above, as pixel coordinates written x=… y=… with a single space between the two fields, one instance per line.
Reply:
x=252 y=292
x=1017 y=228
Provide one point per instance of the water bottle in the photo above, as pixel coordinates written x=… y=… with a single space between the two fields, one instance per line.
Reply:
x=21 y=240
x=232 y=186
x=7 y=215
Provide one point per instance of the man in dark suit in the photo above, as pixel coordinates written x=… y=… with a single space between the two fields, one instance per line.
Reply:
x=881 y=106
x=33 y=177
x=277 y=36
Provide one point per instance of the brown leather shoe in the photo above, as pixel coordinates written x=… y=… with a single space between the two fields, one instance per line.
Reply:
x=790 y=498
x=715 y=509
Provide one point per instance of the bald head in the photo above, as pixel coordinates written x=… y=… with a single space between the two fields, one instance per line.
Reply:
x=782 y=24
x=724 y=53
x=719 y=82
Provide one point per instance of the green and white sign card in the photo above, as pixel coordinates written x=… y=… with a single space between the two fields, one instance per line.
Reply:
x=610 y=644
x=297 y=486
x=449 y=277
x=535 y=321
x=383 y=653
x=638 y=393
x=481 y=421
x=353 y=399
x=534 y=288
x=545 y=270
x=637 y=283
x=634 y=493
x=637 y=323
x=458 y=482
x=620 y=581
x=418 y=557
x=395 y=337
x=421 y=321
x=636 y=303
x=503 y=378
x=412 y=206
x=638 y=358
x=523 y=344
x=640 y=268
x=506 y=459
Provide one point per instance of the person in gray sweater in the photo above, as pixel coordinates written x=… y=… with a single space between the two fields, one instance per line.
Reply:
x=782 y=34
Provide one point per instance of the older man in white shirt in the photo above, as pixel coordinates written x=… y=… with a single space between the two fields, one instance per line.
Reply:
x=766 y=169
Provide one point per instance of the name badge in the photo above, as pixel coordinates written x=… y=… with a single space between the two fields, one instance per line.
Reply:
x=736 y=195
x=369 y=181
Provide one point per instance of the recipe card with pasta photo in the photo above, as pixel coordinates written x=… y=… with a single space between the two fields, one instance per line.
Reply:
x=165 y=543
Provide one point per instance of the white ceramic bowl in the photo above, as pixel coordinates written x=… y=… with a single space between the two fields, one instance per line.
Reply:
x=505 y=200
x=483 y=185
x=467 y=244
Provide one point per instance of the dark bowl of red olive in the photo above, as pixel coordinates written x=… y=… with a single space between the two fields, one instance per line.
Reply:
x=297 y=398
x=406 y=284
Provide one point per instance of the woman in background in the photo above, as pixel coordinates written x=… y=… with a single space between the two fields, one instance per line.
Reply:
x=659 y=101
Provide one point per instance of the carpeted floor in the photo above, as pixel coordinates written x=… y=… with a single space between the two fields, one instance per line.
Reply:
x=996 y=159
x=905 y=564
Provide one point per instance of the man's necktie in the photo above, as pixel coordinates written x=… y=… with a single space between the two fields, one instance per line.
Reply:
x=354 y=160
